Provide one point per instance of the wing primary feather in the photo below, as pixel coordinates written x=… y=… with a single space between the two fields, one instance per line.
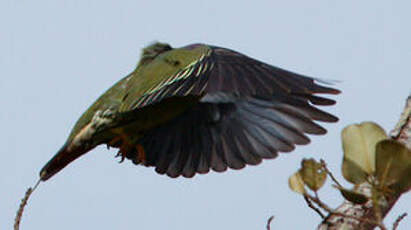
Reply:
x=279 y=127
x=268 y=136
x=217 y=161
x=243 y=148
x=205 y=157
x=282 y=114
x=230 y=150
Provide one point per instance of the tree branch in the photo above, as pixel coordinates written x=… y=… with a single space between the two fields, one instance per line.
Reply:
x=338 y=219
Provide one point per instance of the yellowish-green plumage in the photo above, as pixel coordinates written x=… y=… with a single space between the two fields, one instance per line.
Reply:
x=152 y=77
x=112 y=98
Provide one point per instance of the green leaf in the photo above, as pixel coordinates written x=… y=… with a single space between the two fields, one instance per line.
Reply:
x=296 y=183
x=393 y=166
x=359 y=150
x=353 y=172
x=352 y=196
x=313 y=174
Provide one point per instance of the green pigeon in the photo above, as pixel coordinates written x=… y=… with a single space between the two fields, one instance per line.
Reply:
x=199 y=107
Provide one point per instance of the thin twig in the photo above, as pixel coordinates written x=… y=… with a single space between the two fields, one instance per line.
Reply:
x=310 y=204
x=398 y=220
x=23 y=203
x=318 y=202
x=324 y=166
x=21 y=209
x=269 y=222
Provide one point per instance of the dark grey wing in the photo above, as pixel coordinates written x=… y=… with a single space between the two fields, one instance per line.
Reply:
x=250 y=111
x=236 y=73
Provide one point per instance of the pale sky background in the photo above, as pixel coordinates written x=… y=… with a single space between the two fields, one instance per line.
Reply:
x=57 y=57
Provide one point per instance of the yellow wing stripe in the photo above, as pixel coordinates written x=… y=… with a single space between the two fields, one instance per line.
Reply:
x=195 y=68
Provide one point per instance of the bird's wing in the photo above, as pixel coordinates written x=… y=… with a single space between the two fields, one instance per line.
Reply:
x=202 y=69
x=249 y=110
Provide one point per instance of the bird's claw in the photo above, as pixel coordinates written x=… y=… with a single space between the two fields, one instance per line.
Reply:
x=122 y=155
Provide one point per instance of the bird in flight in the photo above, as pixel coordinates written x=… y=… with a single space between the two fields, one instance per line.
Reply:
x=199 y=107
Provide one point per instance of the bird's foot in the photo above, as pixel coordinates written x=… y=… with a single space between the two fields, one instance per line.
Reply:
x=141 y=154
x=121 y=143
x=122 y=155
x=124 y=149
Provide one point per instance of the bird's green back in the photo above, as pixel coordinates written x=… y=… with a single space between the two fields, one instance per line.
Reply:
x=152 y=76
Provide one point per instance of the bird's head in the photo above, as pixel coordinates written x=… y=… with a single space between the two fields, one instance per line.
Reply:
x=152 y=51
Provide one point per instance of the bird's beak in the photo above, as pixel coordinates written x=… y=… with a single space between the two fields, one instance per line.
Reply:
x=63 y=157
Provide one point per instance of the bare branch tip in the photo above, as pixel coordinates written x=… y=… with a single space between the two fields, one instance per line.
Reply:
x=399 y=219
x=311 y=205
x=23 y=203
x=269 y=222
x=325 y=168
